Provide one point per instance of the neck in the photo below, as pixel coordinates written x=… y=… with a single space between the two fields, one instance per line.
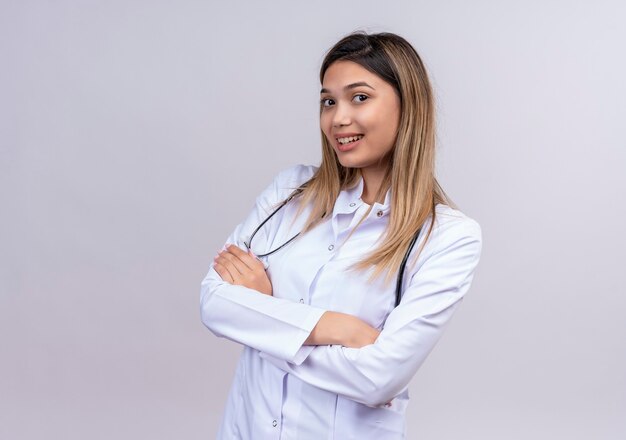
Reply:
x=372 y=180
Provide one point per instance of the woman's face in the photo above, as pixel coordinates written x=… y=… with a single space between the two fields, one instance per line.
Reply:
x=355 y=101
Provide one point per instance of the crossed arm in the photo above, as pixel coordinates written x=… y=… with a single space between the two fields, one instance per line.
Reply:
x=370 y=371
x=241 y=268
x=334 y=351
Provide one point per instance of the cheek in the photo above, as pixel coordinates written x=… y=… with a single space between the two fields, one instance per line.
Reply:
x=371 y=117
x=325 y=124
x=388 y=126
x=383 y=136
x=376 y=122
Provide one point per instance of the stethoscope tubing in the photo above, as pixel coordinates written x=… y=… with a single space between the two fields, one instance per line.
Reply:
x=298 y=191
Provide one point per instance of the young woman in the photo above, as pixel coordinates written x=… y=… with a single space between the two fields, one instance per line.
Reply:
x=341 y=279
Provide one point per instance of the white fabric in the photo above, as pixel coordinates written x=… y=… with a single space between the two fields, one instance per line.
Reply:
x=284 y=390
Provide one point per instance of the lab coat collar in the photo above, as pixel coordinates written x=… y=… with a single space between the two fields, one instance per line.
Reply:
x=349 y=200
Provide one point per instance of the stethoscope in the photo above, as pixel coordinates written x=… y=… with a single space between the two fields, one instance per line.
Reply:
x=287 y=200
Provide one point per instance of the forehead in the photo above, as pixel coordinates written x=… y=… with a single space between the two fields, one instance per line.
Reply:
x=344 y=72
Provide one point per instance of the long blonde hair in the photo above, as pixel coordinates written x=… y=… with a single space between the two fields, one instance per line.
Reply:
x=411 y=172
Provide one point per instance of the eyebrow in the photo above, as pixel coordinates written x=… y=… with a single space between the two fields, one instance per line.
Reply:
x=351 y=86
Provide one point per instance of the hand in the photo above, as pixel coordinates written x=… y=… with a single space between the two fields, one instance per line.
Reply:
x=342 y=329
x=359 y=333
x=241 y=268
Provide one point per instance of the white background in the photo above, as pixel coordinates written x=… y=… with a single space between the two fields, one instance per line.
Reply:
x=134 y=136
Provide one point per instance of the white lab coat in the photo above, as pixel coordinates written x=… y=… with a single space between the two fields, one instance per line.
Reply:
x=284 y=390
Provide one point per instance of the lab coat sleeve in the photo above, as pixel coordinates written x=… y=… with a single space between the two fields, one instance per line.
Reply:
x=276 y=326
x=376 y=373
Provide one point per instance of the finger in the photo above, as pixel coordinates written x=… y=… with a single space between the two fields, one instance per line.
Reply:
x=227 y=258
x=243 y=256
x=251 y=262
x=227 y=264
x=223 y=272
x=257 y=260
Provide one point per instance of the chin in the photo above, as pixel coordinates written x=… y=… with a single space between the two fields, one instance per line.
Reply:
x=351 y=163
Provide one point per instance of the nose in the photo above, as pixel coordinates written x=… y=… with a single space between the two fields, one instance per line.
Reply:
x=341 y=115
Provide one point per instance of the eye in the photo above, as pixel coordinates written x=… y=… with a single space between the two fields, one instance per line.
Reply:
x=323 y=101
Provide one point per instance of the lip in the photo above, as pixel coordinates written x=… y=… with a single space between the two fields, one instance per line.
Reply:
x=350 y=146
x=345 y=135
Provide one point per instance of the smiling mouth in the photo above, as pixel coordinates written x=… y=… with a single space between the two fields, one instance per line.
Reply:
x=349 y=145
x=349 y=140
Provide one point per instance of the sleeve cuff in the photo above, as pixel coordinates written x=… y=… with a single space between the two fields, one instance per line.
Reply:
x=300 y=351
x=308 y=325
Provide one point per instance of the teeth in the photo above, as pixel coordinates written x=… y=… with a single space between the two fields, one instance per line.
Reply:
x=347 y=140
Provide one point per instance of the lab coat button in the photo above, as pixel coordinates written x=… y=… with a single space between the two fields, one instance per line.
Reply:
x=274 y=423
x=379 y=214
x=352 y=204
x=331 y=247
x=301 y=300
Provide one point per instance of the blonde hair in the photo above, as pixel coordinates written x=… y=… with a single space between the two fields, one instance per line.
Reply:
x=411 y=172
